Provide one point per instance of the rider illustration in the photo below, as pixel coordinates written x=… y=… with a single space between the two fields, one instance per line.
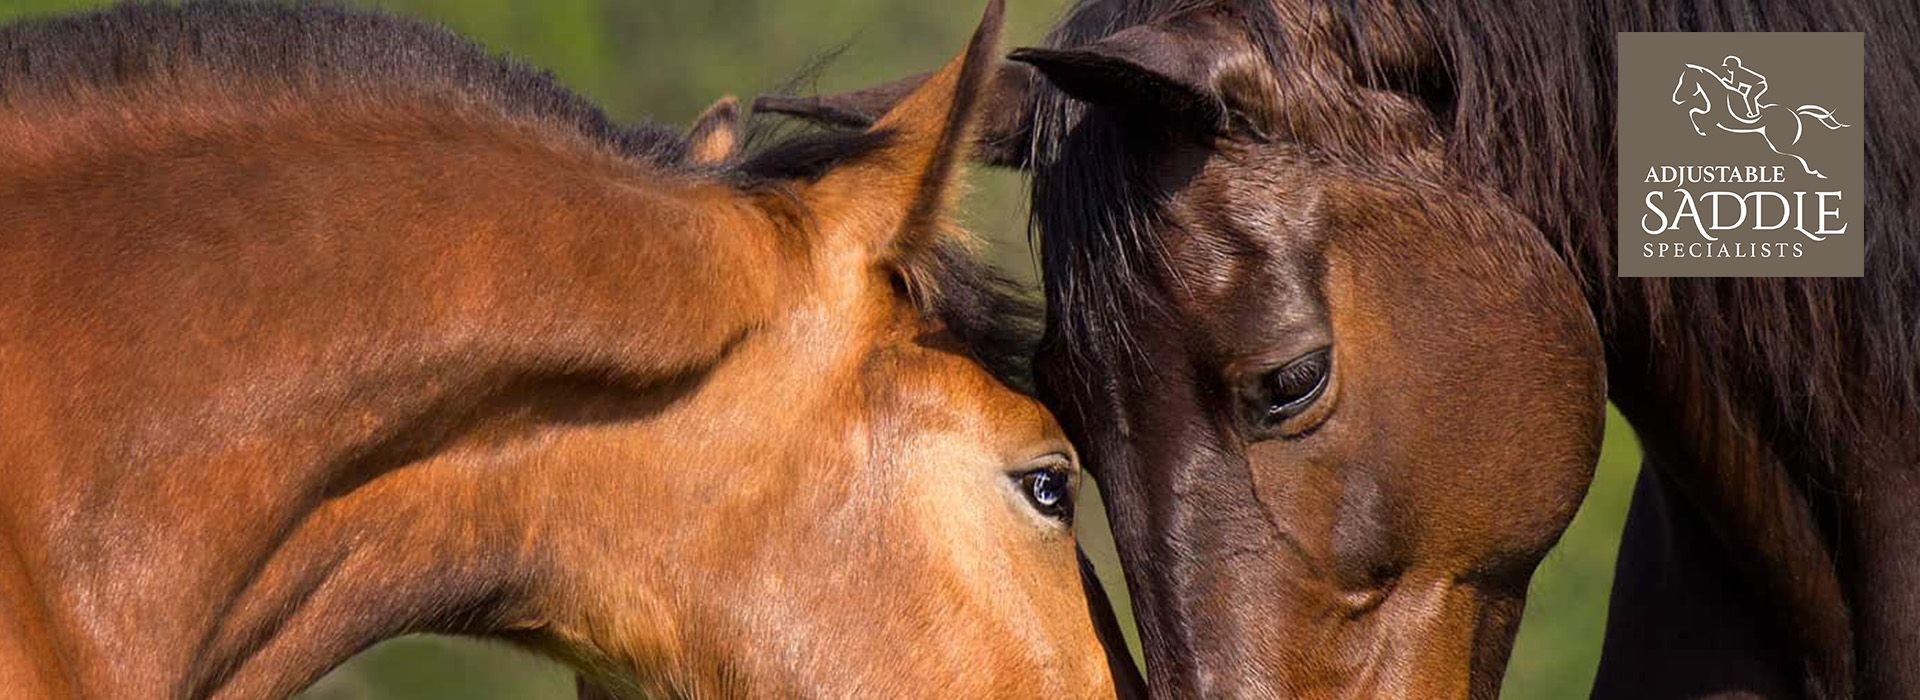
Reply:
x=1749 y=84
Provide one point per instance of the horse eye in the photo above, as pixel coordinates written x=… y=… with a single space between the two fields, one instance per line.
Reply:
x=1050 y=491
x=1285 y=392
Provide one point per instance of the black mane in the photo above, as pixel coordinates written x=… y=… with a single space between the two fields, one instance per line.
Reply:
x=272 y=48
x=276 y=47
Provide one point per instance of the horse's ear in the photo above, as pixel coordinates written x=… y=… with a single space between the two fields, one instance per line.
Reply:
x=1001 y=135
x=1190 y=67
x=714 y=137
x=892 y=194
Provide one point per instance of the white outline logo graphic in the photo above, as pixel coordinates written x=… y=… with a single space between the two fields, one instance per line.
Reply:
x=1740 y=110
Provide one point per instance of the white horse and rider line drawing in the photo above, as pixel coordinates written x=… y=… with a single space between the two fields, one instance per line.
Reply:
x=1741 y=110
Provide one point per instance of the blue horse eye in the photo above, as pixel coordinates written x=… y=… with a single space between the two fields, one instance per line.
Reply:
x=1046 y=489
x=1050 y=491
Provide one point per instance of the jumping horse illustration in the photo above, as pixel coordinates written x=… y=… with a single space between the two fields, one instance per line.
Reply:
x=1741 y=110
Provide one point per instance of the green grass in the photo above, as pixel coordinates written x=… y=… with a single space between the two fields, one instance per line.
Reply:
x=1559 y=643
x=668 y=59
x=422 y=667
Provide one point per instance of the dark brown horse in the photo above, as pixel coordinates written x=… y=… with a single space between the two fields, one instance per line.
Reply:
x=1323 y=282
x=319 y=327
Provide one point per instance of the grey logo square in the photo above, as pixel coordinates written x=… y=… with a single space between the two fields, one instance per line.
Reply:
x=1741 y=154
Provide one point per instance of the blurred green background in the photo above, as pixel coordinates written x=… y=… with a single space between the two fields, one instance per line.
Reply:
x=666 y=60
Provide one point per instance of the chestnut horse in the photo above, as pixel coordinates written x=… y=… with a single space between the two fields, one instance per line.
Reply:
x=1324 y=280
x=319 y=327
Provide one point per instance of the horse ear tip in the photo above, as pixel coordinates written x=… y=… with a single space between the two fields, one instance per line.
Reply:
x=723 y=112
x=987 y=35
x=994 y=14
x=1027 y=54
x=1046 y=60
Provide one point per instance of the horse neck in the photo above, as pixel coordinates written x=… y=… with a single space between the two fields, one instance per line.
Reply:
x=1689 y=366
x=253 y=355
x=1717 y=447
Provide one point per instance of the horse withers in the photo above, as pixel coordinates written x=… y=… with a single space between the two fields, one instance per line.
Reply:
x=319 y=327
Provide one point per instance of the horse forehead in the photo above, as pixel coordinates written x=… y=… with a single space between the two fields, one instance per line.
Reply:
x=1243 y=223
x=929 y=384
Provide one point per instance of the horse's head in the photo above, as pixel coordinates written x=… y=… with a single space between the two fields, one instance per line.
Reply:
x=849 y=504
x=1342 y=397
x=1690 y=90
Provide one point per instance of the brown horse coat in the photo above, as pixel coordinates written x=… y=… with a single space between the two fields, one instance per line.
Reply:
x=317 y=327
